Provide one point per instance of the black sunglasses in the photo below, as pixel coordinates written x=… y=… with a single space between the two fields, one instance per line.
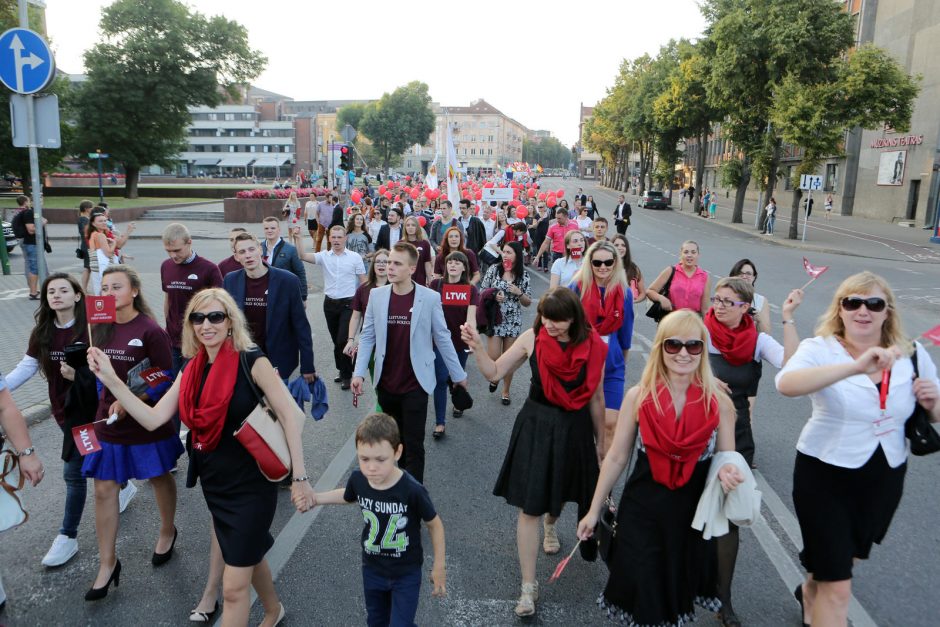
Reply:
x=692 y=347
x=597 y=263
x=874 y=304
x=215 y=317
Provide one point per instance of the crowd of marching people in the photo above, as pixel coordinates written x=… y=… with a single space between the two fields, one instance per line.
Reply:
x=415 y=285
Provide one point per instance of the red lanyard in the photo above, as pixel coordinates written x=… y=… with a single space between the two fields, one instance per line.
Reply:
x=883 y=391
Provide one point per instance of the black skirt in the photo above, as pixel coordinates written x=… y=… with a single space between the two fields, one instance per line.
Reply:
x=551 y=460
x=843 y=511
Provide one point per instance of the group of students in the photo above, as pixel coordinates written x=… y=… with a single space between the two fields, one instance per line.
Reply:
x=572 y=438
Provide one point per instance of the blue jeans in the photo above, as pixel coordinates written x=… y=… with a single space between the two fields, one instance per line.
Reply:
x=76 y=489
x=440 y=390
x=391 y=602
x=770 y=223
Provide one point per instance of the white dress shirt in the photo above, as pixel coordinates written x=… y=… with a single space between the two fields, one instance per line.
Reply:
x=340 y=273
x=842 y=431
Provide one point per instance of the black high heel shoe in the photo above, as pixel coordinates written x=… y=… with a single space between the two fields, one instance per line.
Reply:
x=99 y=593
x=798 y=595
x=493 y=386
x=159 y=559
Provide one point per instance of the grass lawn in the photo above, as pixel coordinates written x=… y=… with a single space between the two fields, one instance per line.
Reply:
x=118 y=202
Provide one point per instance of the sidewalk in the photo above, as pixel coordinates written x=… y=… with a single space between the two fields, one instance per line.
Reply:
x=841 y=235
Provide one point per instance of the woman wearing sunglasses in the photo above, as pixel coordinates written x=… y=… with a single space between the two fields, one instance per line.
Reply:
x=736 y=351
x=852 y=456
x=675 y=419
x=552 y=456
x=213 y=395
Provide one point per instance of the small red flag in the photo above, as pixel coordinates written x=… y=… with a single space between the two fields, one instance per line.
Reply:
x=455 y=295
x=562 y=564
x=100 y=309
x=85 y=439
x=813 y=271
x=933 y=335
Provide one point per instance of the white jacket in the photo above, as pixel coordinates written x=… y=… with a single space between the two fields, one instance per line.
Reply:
x=715 y=508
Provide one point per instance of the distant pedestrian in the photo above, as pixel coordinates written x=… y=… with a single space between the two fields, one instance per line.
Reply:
x=713 y=207
x=84 y=209
x=828 y=206
x=771 y=215
x=622 y=214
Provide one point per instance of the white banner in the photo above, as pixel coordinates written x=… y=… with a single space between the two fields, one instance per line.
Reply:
x=498 y=194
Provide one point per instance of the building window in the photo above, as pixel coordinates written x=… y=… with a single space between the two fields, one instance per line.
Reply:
x=409 y=163
x=832 y=177
x=213 y=116
x=473 y=151
x=788 y=179
x=489 y=152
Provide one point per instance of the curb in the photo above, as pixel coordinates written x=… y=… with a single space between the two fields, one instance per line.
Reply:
x=34 y=414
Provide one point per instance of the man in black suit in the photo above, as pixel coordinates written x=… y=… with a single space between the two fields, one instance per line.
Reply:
x=622 y=213
x=390 y=233
x=337 y=212
x=581 y=196
x=472 y=227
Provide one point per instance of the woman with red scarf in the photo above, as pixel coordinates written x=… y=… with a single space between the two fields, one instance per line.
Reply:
x=675 y=419
x=213 y=396
x=553 y=452
x=736 y=351
x=608 y=306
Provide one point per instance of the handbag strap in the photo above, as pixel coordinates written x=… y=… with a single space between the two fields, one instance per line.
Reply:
x=243 y=360
x=665 y=289
x=914 y=361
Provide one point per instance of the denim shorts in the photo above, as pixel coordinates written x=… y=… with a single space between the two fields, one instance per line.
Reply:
x=32 y=260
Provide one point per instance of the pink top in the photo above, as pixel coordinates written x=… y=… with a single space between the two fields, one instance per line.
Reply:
x=685 y=292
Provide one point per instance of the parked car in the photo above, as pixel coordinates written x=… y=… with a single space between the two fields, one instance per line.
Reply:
x=654 y=200
x=8 y=235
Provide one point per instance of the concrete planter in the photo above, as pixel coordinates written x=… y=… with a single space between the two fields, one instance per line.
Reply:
x=251 y=209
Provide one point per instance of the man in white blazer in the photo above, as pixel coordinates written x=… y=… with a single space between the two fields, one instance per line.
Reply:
x=404 y=322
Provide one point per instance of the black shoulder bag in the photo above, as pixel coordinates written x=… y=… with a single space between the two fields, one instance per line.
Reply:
x=656 y=311
x=918 y=428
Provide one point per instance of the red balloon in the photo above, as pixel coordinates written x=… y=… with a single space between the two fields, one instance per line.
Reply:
x=356 y=196
x=515 y=192
x=415 y=192
x=531 y=193
x=478 y=195
x=388 y=195
x=429 y=194
x=407 y=178
x=551 y=202
x=422 y=221
x=488 y=184
x=521 y=212
x=560 y=193
x=443 y=196
x=382 y=189
x=542 y=196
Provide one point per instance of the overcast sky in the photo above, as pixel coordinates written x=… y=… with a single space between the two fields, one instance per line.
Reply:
x=534 y=61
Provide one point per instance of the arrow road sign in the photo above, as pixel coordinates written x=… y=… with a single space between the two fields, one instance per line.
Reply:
x=26 y=63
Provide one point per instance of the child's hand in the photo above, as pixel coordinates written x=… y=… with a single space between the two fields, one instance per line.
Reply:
x=439 y=581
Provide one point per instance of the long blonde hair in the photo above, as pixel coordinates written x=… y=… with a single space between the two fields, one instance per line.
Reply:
x=679 y=323
x=420 y=235
x=241 y=336
x=585 y=274
x=892 y=333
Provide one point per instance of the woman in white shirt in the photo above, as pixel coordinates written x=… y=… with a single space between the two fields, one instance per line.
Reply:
x=564 y=268
x=585 y=223
x=851 y=456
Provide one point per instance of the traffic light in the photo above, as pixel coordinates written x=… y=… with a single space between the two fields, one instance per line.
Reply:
x=345 y=158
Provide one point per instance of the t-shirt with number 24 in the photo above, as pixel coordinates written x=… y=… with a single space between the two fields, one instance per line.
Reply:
x=391 y=535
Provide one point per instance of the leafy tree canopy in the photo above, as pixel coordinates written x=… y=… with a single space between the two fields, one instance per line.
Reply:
x=399 y=120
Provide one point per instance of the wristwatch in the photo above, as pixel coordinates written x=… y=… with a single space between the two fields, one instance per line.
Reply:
x=790 y=321
x=26 y=452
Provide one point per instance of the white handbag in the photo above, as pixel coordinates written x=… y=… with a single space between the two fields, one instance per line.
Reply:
x=12 y=513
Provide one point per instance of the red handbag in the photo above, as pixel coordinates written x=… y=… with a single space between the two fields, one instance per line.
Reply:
x=263 y=436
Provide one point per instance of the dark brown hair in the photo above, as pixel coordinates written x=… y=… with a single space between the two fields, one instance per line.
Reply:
x=560 y=304
x=378 y=428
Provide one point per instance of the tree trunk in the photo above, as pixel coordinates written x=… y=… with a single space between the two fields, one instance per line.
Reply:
x=793 y=233
x=132 y=176
x=737 y=216
x=642 y=188
x=699 y=172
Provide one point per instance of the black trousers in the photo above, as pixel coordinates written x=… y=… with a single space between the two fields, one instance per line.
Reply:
x=410 y=411
x=337 y=313
x=622 y=227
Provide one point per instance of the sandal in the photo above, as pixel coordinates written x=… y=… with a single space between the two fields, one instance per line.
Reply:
x=505 y=400
x=34 y=296
x=438 y=434
x=493 y=386
x=550 y=543
x=203 y=617
x=526 y=604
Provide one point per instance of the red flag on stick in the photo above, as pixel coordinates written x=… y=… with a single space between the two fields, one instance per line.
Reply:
x=99 y=310
x=933 y=335
x=813 y=271
x=562 y=564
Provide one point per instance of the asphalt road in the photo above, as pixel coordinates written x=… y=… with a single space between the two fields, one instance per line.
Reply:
x=316 y=556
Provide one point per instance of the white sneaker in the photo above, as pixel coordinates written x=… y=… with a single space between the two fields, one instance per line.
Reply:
x=127 y=495
x=62 y=550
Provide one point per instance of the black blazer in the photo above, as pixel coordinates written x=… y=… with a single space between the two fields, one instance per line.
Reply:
x=622 y=213
x=384 y=238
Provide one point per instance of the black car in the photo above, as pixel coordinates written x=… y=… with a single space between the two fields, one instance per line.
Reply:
x=654 y=200
x=8 y=235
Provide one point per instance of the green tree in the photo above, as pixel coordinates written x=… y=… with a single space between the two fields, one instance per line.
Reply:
x=547 y=152
x=156 y=59
x=351 y=114
x=399 y=120
x=869 y=89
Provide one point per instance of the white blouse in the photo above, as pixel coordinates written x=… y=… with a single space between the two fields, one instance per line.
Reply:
x=845 y=428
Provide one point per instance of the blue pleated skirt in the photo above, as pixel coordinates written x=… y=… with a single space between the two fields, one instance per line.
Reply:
x=120 y=462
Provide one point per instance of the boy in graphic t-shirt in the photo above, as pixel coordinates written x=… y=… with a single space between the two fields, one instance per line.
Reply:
x=393 y=505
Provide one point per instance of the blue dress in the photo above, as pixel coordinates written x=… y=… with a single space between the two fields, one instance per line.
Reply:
x=615 y=368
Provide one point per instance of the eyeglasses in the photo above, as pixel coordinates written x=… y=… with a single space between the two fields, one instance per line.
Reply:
x=597 y=263
x=692 y=347
x=745 y=273
x=726 y=302
x=874 y=304
x=214 y=317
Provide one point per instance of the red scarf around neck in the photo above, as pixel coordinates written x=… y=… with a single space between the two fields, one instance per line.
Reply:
x=605 y=315
x=206 y=420
x=674 y=446
x=557 y=364
x=736 y=345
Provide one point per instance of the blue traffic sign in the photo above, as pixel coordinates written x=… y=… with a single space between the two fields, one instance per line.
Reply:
x=26 y=63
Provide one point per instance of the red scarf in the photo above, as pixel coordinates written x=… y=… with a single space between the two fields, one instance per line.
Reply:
x=207 y=420
x=604 y=314
x=675 y=446
x=557 y=364
x=735 y=345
